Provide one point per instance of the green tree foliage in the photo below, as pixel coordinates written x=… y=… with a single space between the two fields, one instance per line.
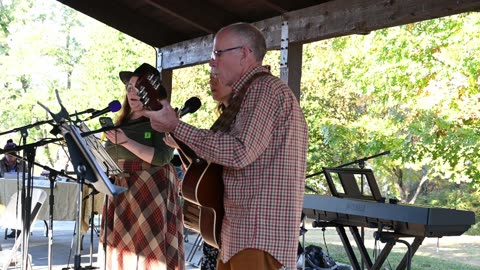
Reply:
x=17 y=85
x=412 y=89
x=49 y=51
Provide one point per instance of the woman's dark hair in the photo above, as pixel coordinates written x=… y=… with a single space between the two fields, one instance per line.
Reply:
x=122 y=117
x=220 y=106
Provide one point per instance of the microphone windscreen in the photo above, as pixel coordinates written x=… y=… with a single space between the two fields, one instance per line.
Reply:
x=193 y=103
x=115 y=106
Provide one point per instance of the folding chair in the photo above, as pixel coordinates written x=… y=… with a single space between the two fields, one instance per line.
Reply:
x=13 y=219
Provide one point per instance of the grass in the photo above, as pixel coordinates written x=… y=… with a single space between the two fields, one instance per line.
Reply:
x=452 y=253
x=337 y=252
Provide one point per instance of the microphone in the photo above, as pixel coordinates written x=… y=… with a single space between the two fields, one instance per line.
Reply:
x=190 y=106
x=82 y=112
x=113 y=106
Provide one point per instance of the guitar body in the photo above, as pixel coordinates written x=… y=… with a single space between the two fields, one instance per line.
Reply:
x=202 y=185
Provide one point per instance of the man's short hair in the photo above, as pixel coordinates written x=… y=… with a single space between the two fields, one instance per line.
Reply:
x=253 y=36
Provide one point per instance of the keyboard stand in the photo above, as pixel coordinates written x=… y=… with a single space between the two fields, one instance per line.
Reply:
x=389 y=238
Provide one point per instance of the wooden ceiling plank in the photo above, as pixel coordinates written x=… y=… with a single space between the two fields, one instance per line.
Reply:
x=201 y=17
x=289 y=5
x=131 y=23
x=275 y=7
x=327 y=20
x=184 y=54
x=346 y=17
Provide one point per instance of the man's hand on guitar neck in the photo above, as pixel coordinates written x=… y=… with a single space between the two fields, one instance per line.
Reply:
x=165 y=119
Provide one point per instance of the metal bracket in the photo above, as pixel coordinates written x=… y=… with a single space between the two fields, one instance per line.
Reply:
x=284 y=52
x=159 y=61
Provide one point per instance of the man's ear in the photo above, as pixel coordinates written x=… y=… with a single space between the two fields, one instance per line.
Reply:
x=246 y=52
x=244 y=60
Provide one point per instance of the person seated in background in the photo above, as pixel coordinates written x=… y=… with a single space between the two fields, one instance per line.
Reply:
x=10 y=164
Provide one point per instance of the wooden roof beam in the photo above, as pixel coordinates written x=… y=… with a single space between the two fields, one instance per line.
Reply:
x=327 y=20
x=130 y=20
x=196 y=14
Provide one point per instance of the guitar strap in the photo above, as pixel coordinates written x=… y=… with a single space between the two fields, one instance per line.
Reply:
x=224 y=122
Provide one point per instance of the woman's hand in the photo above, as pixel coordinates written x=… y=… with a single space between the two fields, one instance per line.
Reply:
x=116 y=136
x=142 y=151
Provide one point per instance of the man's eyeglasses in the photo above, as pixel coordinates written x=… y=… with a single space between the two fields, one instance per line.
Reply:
x=217 y=53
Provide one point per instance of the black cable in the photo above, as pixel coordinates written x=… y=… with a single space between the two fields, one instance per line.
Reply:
x=409 y=253
x=324 y=241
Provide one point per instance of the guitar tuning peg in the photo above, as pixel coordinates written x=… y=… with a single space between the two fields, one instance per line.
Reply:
x=146 y=100
x=143 y=95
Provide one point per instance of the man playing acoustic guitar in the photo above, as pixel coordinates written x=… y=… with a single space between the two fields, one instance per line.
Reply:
x=261 y=140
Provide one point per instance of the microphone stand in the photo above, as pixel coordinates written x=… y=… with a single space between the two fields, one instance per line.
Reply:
x=361 y=164
x=24 y=128
x=77 y=258
x=26 y=196
x=29 y=149
x=39 y=123
x=52 y=175
x=358 y=161
x=92 y=226
x=53 y=140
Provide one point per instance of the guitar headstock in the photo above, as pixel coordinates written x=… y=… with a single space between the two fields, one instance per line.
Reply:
x=151 y=91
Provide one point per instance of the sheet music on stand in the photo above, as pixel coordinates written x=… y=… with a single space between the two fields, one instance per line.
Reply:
x=86 y=164
x=98 y=150
x=85 y=160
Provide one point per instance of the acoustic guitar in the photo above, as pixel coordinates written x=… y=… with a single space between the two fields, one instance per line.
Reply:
x=202 y=185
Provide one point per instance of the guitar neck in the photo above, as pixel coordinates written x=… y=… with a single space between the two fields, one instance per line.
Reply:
x=151 y=92
x=187 y=155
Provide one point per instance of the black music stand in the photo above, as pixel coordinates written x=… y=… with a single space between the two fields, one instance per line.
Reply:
x=351 y=181
x=84 y=163
x=108 y=165
x=88 y=171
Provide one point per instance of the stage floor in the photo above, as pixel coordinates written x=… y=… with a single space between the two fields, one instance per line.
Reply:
x=64 y=247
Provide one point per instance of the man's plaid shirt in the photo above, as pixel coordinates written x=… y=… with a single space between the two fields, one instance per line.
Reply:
x=264 y=159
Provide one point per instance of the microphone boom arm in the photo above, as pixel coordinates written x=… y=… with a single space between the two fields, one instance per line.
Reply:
x=358 y=161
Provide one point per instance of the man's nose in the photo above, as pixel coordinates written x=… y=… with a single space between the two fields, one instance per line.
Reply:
x=212 y=63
